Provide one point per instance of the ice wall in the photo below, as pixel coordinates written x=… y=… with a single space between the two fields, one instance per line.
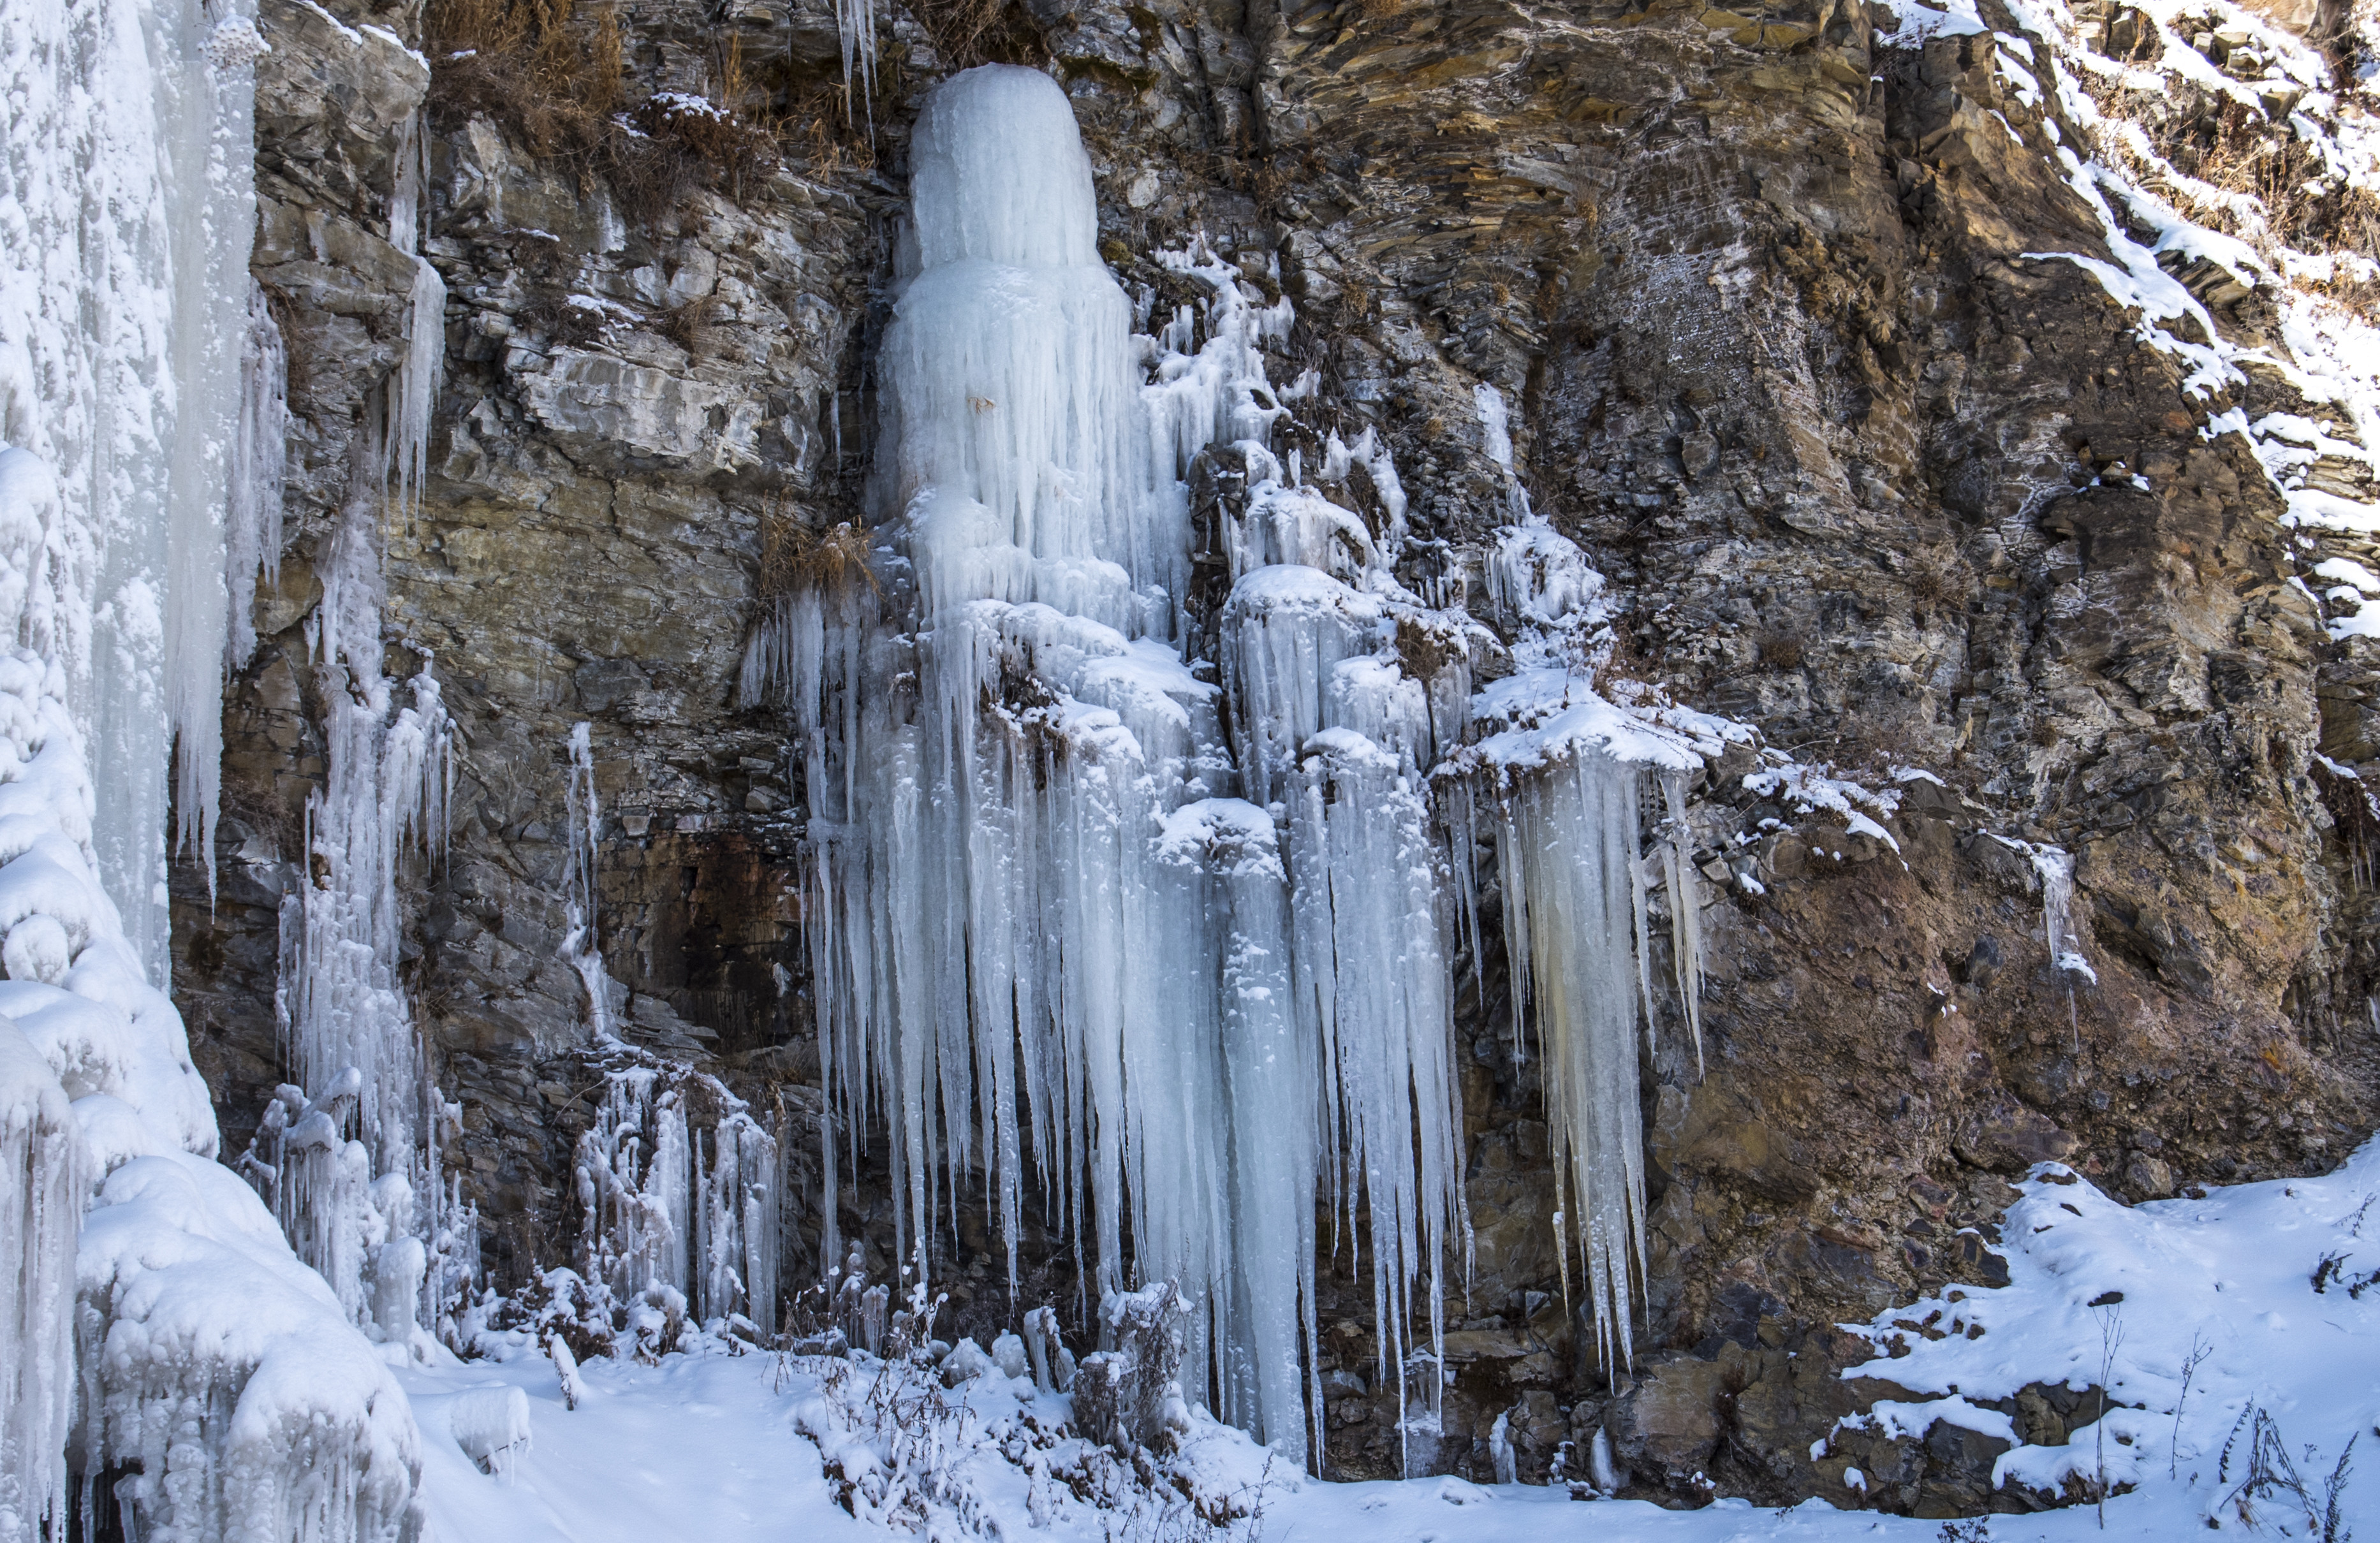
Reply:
x=129 y=206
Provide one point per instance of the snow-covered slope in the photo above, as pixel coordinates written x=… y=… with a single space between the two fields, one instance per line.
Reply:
x=2281 y=1359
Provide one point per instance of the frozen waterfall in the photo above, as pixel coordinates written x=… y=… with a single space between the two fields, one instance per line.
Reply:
x=1075 y=924
x=217 y=1386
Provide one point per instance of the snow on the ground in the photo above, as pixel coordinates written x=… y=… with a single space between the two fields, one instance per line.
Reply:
x=721 y=1447
x=696 y=1448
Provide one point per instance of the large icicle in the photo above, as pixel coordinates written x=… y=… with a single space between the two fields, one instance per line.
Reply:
x=1571 y=914
x=42 y=1188
x=213 y=195
x=253 y=529
x=1565 y=776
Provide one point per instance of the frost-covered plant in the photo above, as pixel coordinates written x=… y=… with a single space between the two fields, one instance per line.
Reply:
x=568 y=1316
x=1130 y=1396
x=2266 y=1469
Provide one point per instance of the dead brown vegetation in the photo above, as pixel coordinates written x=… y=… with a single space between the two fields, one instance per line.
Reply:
x=969 y=32
x=1780 y=650
x=1938 y=577
x=799 y=558
x=553 y=77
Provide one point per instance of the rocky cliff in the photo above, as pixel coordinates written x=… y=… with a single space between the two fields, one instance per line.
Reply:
x=1815 y=335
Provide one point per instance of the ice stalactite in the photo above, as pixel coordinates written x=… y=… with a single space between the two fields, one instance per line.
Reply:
x=43 y=1185
x=1564 y=774
x=855 y=24
x=253 y=521
x=582 y=944
x=678 y=1184
x=212 y=194
x=1051 y=916
x=411 y=394
x=1567 y=843
x=2056 y=867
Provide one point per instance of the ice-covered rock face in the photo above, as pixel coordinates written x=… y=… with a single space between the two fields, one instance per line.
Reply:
x=1770 y=516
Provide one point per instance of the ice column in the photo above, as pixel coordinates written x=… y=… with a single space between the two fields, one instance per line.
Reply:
x=1011 y=965
x=347 y=1022
x=117 y=367
x=1340 y=738
x=42 y=1185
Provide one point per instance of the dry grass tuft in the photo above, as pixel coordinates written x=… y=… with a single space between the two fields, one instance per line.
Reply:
x=689 y=325
x=531 y=66
x=1425 y=650
x=796 y=558
x=1939 y=577
x=969 y=32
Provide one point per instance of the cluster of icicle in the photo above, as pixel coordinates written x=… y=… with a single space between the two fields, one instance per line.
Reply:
x=363 y=1192
x=678 y=1185
x=1191 y=966
x=1562 y=776
x=160 y=1338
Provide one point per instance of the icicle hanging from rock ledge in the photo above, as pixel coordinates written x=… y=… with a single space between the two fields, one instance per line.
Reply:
x=1565 y=777
x=259 y=463
x=582 y=944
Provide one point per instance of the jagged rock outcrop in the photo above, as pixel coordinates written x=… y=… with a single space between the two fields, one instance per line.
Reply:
x=1862 y=473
